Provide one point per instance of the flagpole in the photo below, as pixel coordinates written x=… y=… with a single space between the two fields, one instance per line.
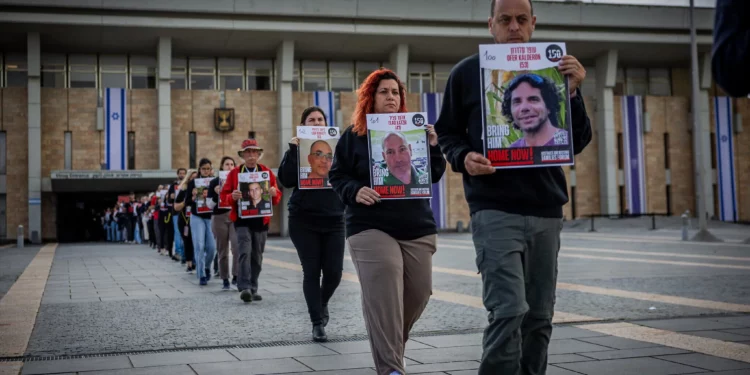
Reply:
x=703 y=234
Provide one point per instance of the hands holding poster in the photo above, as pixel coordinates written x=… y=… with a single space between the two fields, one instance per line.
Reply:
x=201 y=194
x=256 y=198
x=316 y=145
x=399 y=155
x=526 y=105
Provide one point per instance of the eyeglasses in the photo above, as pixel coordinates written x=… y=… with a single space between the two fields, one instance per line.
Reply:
x=320 y=154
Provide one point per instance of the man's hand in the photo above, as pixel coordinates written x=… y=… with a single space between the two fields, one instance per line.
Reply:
x=171 y=196
x=216 y=189
x=236 y=195
x=367 y=196
x=294 y=141
x=272 y=191
x=477 y=165
x=432 y=136
x=571 y=67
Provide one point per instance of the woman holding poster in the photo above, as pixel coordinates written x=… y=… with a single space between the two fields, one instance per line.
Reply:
x=222 y=225
x=391 y=241
x=316 y=226
x=183 y=222
x=195 y=197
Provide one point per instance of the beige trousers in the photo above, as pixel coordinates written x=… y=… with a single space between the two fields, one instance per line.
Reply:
x=396 y=281
x=224 y=233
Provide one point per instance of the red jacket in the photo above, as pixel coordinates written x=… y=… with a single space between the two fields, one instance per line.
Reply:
x=231 y=185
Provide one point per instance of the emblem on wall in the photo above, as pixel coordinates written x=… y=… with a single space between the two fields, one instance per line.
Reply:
x=224 y=119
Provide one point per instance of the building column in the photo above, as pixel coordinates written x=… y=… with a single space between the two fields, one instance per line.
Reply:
x=164 y=74
x=399 y=61
x=35 y=138
x=702 y=139
x=606 y=76
x=284 y=77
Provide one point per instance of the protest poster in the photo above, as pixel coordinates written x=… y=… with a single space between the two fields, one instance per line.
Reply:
x=399 y=155
x=526 y=105
x=315 y=156
x=222 y=179
x=256 y=199
x=201 y=185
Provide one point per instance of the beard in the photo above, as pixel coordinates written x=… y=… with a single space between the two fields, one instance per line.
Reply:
x=534 y=128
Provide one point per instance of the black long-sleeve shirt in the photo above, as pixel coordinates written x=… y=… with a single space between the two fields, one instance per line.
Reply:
x=307 y=202
x=187 y=197
x=214 y=198
x=540 y=191
x=405 y=219
x=731 y=50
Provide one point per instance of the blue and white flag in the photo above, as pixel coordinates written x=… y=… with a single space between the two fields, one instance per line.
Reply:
x=635 y=176
x=725 y=159
x=114 y=129
x=327 y=102
x=431 y=103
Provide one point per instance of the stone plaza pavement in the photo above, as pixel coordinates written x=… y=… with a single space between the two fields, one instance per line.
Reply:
x=626 y=305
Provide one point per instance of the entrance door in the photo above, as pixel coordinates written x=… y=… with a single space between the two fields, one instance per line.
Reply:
x=79 y=216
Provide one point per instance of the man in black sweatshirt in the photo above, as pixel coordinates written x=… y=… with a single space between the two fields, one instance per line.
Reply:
x=731 y=51
x=516 y=214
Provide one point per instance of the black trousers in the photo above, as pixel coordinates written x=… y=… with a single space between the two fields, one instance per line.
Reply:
x=166 y=229
x=187 y=240
x=151 y=232
x=320 y=249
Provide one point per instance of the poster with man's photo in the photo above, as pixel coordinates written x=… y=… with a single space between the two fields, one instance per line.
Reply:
x=526 y=118
x=256 y=199
x=399 y=155
x=201 y=185
x=222 y=179
x=316 y=146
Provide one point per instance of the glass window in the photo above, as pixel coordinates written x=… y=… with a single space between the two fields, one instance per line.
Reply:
x=131 y=150
x=192 y=149
x=341 y=76
x=364 y=69
x=442 y=71
x=82 y=70
x=420 y=77
x=142 y=72
x=68 y=150
x=202 y=73
x=231 y=74
x=3 y=153
x=53 y=70
x=659 y=82
x=260 y=75
x=16 y=70
x=636 y=81
x=113 y=71
x=314 y=76
x=295 y=76
x=178 y=79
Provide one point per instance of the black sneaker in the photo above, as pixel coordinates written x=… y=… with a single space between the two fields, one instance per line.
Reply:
x=226 y=285
x=257 y=297
x=319 y=333
x=234 y=280
x=208 y=274
x=246 y=296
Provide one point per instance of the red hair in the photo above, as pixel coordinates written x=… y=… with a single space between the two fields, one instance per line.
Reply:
x=366 y=98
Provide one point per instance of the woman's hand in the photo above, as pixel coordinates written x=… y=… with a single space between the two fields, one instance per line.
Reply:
x=294 y=141
x=367 y=196
x=432 y=135
x=272 y=191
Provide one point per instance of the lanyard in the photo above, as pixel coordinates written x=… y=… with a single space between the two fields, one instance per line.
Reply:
x=244 y=168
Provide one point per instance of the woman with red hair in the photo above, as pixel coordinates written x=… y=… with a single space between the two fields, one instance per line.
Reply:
x=392 y=241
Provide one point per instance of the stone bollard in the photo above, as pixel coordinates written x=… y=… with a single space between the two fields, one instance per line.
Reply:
x=459 y=226
x=685 y=221
x=19 y=241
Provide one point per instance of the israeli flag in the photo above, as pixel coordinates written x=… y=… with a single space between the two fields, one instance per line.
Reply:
x=725 y=159
x=114 y=130
x=326 y=101
x=635 y=167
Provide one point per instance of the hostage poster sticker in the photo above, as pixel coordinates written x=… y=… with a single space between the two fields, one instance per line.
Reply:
x=316 y=145
x=256 y=200
x=222 y=179
x=201 y=185
x=399 y=155
x=526 y=105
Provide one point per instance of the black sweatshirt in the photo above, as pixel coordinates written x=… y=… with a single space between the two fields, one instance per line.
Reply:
x=186 y=196
x=731 y=51
x=540 y=191
x=404 y=219
x=306 y=203
x=215 y=197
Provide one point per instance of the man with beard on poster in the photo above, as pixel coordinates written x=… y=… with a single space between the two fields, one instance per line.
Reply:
x=532 y=105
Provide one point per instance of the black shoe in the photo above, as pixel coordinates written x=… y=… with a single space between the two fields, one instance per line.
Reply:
x=234 y=280
x=208 y=274
x=257 y=297
x=319 y=333
x=325 y=316
x=246 y=296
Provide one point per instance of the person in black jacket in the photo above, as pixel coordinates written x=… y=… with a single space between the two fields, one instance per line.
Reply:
x=194 y=196
x=731 y=50
x=316 y=226
x=391 y=241
x=223 y=228
x=516 y=214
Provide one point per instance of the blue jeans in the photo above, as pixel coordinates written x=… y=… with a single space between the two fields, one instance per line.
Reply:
x=109 y=234
x=113 y=232
x=179 y=248
x=137 y=236
x=204 y=244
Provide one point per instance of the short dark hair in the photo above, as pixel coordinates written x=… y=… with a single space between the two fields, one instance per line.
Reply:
x=310 y=110
x=493 y=2
x=180 y=170
x=225 y=159
x=546 y=87
x=203 y=162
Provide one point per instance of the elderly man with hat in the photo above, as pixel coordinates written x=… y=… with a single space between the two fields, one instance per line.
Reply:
x=251 y=232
